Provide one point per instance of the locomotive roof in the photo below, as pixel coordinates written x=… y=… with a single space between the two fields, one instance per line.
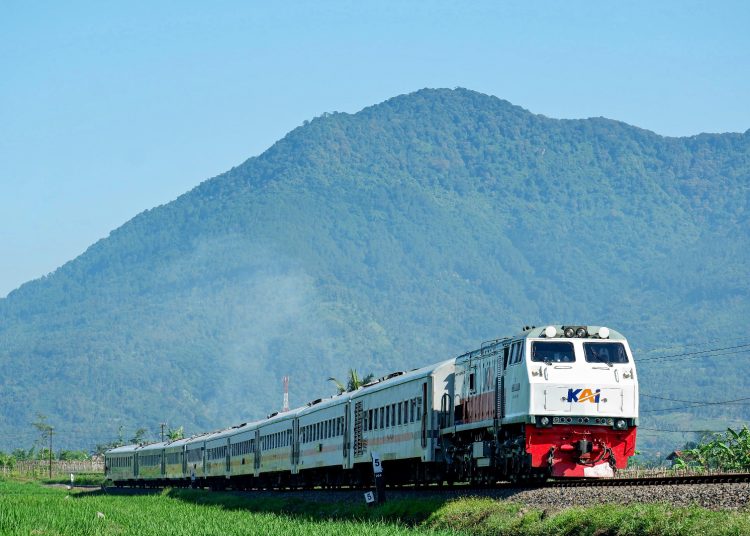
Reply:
x=538 y=332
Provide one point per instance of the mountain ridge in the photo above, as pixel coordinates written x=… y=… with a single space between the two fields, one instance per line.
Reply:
x=384 y=239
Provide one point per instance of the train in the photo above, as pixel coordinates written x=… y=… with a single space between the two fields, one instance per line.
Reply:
x=557 y=401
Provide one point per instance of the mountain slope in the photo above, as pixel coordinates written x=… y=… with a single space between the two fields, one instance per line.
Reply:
x=400 y=235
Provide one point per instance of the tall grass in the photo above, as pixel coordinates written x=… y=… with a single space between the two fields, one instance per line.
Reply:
x=31 y=509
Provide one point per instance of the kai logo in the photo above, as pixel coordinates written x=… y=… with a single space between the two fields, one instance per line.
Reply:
x=584 y=395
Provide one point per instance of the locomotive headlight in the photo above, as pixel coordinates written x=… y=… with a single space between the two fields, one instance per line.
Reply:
x=570 y=333
x=604 y=333
x=621 y=424
x=550 y=331
x=581 y=333
x=544 y=421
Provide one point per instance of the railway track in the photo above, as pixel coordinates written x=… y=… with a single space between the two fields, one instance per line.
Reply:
x=727 y=478
x=713 y=491
x=658 y=480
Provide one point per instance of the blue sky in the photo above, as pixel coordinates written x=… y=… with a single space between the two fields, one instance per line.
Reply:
x=108 y=110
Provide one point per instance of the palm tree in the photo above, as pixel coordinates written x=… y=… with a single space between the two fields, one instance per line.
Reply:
x=354 y=381
x=175 y=434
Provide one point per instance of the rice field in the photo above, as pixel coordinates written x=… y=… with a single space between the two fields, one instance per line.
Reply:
x=31 y=509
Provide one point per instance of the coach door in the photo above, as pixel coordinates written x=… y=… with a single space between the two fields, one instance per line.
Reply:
x=294 y=459
x=229 y=458
x=256 y=461
x=425 y=403
x=135 y=464
x=346 y=444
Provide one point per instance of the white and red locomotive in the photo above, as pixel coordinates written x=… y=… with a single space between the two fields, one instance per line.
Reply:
x=559 y=401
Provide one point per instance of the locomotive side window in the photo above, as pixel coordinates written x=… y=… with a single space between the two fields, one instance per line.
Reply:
x=552 y=352
x=605 y=352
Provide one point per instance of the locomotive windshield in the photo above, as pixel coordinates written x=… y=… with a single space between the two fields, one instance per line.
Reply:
x=605 y=352
x=553 y=352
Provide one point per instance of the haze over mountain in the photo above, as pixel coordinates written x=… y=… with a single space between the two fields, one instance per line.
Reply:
x=384 y=240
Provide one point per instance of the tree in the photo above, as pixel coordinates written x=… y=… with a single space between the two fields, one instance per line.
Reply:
x=173 y=434
x=727 y=451
x=139 y=437
x=73 y=455
x=353 y=382
x=44 y=428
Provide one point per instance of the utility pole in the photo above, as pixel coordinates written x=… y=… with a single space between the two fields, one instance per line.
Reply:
x=50 y=452
x=162 y=431
x=285 y=381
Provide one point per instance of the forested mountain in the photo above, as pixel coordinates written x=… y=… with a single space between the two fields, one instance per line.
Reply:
x=384 y=240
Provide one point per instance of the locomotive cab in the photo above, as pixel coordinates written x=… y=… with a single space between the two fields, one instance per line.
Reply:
x=583 y=400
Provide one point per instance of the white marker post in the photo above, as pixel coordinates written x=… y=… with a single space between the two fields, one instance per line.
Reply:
x=377 y=470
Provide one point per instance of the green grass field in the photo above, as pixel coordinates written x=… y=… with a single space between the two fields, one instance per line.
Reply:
x=32 y=509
